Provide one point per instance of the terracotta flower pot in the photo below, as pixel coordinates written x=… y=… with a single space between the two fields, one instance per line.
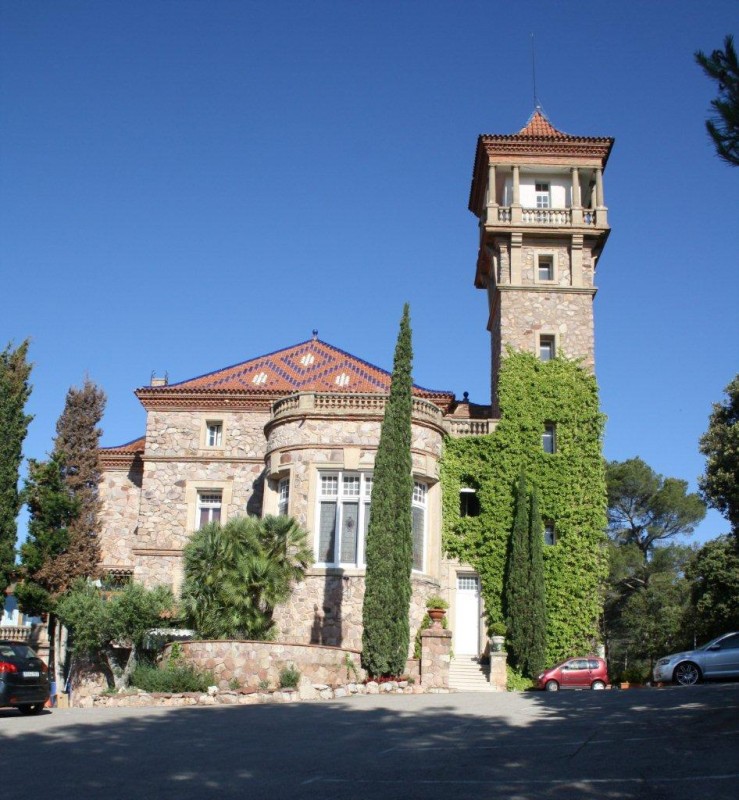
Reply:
x=436 y=614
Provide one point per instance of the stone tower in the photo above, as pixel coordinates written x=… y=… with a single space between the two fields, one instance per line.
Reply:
x=539 y=197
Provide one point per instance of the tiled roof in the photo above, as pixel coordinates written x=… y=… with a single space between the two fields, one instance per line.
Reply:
x=539 y=126
x=309 y=366
x=132 y=447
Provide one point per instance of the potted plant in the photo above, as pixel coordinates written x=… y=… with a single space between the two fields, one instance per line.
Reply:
x=436 y=607
x=498 y=632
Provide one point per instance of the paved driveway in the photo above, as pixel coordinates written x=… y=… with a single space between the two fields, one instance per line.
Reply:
x=673 y=743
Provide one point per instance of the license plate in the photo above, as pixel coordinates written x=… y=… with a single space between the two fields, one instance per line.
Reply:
x=31 y=674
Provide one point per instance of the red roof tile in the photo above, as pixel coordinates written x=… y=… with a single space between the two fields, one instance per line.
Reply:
x=540 y=127
x=309 y=366
x=132 y=447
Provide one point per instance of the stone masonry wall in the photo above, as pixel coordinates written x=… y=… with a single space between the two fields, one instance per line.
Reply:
x=120 y=494
x=568 y=315
x=326 y=609
x=250 y=663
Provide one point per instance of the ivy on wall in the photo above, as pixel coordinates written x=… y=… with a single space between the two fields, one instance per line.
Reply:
x=571 y=487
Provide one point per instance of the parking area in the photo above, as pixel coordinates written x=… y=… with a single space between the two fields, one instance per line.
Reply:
x=676 y=742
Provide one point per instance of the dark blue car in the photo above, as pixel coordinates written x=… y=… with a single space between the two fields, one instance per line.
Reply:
x=24 y=678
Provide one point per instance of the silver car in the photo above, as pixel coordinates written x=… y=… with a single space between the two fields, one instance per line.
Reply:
x=717 y=659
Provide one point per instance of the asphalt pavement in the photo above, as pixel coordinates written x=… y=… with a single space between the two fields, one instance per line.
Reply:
x=676 y=743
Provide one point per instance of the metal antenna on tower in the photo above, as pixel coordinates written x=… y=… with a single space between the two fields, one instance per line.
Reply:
x=533 y=71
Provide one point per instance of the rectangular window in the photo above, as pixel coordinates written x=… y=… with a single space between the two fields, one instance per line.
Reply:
x=548 y=438
x=209 y=508
x=214 y=434
x=550 y=536
x=343 y=518
x=545 y=267
x=283 y=499
x=546 y=347
x=542 y=195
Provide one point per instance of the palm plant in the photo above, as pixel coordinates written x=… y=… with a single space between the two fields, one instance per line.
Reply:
x=237 y=573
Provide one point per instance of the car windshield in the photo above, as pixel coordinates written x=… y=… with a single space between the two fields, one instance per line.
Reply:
x=16 y=651
x=708 y=644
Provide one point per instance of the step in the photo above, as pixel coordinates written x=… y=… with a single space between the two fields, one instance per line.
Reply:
x=466 y=674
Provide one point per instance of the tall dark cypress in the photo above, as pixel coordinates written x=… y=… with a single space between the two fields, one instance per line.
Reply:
x=15 y=389
x=389 y=548
x=517 y=578
x=537 y=650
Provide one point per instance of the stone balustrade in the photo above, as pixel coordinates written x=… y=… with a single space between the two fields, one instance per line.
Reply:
x=457 y=428
x=555 y=217
x=341 y=404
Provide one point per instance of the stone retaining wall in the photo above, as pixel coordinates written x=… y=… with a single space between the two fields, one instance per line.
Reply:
x=306 y=691
x=255 y=664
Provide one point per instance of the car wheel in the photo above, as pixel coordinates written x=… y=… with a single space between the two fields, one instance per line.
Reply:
x=686 y=674
x=35 y=708
x=552 y=686
x=597 y=685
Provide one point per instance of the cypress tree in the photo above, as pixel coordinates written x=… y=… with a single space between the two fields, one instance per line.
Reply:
x=537 y=651
x=14 y=392
x=517 y=578
x=389 y=547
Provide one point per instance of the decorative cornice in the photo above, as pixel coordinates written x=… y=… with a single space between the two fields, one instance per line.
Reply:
x=536 y=287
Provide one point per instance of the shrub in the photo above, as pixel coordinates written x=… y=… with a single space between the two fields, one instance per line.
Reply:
x=289 y=677
x=498 y=629
x=175 y=677
x=436 y=601
x=517 y=682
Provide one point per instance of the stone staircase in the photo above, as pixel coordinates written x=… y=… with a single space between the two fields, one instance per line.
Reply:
x=466 y=674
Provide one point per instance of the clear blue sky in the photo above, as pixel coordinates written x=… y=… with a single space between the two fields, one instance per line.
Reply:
x=188 y=184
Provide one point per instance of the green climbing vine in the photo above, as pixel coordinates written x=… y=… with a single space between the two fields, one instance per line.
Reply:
x=571 y=489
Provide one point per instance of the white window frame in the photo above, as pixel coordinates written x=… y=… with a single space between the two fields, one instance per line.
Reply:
x=550 y=534
x=543 y=194
x=214 y=433
x=341 y=493
x=547 y=339
x=283 y=496
x=549 y=438
x=210 y=501
x=550 y=261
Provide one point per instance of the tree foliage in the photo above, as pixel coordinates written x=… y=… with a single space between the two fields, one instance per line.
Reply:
x=713 y=574
x=719 y=484
x=645 y=509
x=389 y=547
x=723 y=128
x=104 y=625
x=645 y=608
x=15 y=390
x=237 y=573
x=63 y=502
x=571 y=494
x=525 y=597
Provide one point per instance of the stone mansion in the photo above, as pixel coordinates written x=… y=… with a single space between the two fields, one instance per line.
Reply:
x=296 y=431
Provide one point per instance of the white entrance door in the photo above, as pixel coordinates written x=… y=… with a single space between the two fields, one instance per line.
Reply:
x=467 y=617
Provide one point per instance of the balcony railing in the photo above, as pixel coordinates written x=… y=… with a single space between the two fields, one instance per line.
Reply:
x=340 y=403
x=457 y=428
x=554 y=217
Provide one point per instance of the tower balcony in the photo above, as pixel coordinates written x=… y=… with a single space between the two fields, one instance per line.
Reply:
x=495 y=216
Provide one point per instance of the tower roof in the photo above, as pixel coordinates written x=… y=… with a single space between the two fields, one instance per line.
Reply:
x=538 y=142
x=311 y=366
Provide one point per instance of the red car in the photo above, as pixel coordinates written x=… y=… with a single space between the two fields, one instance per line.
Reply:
x=575 y=673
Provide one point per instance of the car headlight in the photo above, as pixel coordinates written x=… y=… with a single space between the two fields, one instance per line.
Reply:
x=663 y=661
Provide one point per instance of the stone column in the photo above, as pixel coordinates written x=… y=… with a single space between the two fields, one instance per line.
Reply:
x=492 y=200
x=516 y=244
x=576 y=209
x=498 y=671
x=516 y=215
x=436 y=646
x=576 y=259
x=601 y=213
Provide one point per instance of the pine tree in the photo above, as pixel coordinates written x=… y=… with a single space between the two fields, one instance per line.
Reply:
x=77 y=444
x=537 y=649
x=14 y=392
x=62 y=495
x=389 y=548
x=517 y=577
